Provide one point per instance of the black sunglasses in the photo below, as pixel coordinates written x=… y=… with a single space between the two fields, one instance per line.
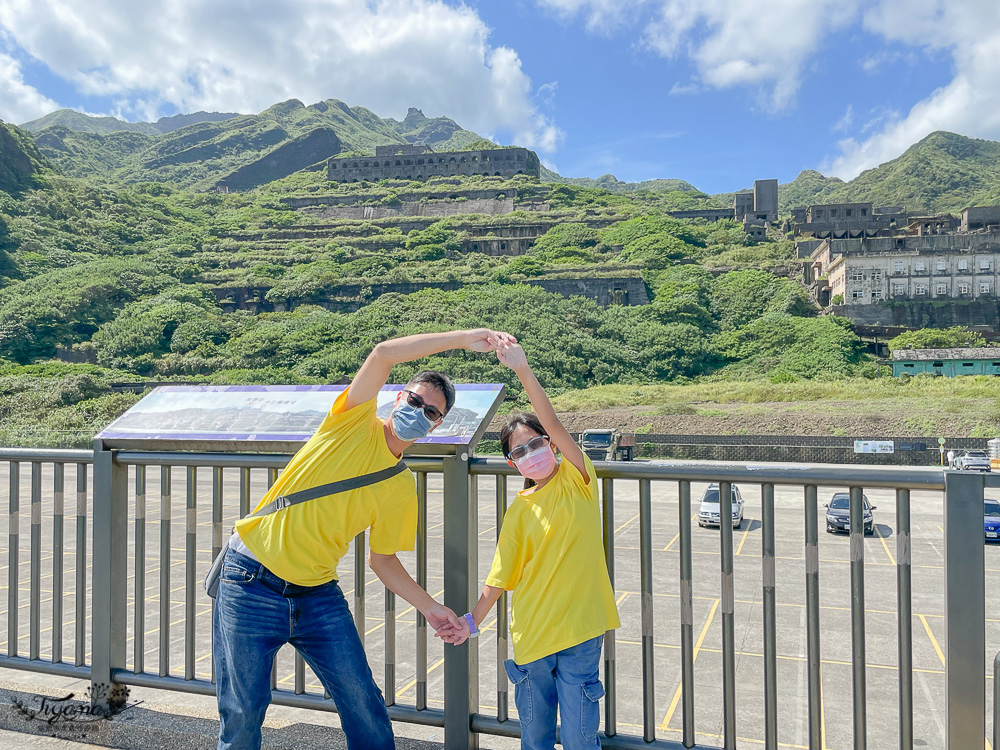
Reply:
x=431 y=412
x=534 y=444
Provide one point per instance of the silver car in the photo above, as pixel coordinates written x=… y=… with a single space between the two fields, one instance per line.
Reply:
x=972 y=461
x=708 y=512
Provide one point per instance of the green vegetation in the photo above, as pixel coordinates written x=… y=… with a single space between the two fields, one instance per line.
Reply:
x=929 y=388
x=933 y=338
x=206 y=149
x=942 y=172
x=114 y=267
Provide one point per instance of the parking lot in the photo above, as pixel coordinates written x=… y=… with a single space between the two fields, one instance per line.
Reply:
x=880 y=585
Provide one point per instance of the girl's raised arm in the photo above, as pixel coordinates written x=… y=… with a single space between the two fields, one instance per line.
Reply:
x=512 y=355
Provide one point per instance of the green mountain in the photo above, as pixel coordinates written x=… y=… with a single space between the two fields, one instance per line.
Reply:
x=20 y=159
x=612 y=184
x=244 y=150
x=808 y=188
x=73 y=120
x=942 y=172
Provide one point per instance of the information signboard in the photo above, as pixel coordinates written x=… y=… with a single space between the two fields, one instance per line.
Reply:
x=873 y=446
x=278 y=418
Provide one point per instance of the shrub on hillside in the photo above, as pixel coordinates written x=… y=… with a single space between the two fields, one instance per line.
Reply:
x=740 y=297
x=937 y=338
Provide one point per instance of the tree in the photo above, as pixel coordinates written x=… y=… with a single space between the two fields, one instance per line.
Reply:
x=937 y=338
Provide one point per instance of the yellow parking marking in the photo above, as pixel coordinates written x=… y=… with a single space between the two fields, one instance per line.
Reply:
x=694 y=657
x=930 y=635
x=677 y=535
x=940 y=653
x=621 y=599
x=401 y=614
x=884 y=545
x=411 y=683
x=744 y=539
x=627 y=523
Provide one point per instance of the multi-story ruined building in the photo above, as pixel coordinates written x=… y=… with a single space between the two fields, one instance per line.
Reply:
x=848 y=220
x=755 y=209
x=418 y=162
x=928 y=274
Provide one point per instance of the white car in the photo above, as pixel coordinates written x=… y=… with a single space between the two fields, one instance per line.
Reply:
x=708 y=512
x=972 y=461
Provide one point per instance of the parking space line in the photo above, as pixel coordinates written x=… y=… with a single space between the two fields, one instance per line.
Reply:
x=627 y=523
x=401 y=614
x=677 y=535
x=694 y=657
x=739 y=550
x=411 y=683
x=884 y=545
x=621 y=599
x=930 y=634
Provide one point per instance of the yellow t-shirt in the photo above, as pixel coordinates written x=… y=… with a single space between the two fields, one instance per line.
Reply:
x=551 y=553
x=304 y=542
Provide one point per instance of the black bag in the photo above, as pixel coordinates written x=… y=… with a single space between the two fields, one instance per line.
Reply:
x=284 y=501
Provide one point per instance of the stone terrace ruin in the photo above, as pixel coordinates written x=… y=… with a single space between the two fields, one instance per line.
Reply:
x=418 y=162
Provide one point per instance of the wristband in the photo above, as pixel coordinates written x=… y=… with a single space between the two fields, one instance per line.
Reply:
x=473 y=630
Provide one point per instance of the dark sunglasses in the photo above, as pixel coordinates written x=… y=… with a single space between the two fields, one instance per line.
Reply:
x=431 y=412
x=534 y=444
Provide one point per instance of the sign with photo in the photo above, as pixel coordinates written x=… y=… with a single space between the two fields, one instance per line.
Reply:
x=873 y=446
x=279 y=416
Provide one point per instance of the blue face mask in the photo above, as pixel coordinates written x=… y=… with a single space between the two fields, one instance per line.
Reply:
x=410 y=423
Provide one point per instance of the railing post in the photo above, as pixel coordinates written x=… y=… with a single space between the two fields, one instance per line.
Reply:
x=110 y=576
x=965 y=611
x=461 y=663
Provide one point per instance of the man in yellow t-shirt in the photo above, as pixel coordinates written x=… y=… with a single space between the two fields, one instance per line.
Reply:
x=278 y=582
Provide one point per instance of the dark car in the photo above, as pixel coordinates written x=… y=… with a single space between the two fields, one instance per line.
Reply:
x=991 y=519
x=838 y=513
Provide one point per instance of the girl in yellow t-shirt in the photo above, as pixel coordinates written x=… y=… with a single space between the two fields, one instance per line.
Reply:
x=550 y=553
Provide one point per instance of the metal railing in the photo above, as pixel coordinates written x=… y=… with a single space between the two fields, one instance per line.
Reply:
x=132 y=490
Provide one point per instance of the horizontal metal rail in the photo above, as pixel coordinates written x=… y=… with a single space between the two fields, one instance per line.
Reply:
x=888 y=477
x=129 y=495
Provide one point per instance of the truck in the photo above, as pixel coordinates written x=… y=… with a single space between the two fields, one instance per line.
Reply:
x=607 y=445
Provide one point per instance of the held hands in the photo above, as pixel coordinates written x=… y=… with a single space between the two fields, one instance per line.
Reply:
x=449 y=627
x=487 y=340
x=512 y=355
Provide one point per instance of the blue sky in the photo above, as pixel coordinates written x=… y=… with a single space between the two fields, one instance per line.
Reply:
x=714 y=92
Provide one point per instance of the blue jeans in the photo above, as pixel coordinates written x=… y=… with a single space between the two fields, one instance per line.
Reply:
x=568 y=679
x=256 y=613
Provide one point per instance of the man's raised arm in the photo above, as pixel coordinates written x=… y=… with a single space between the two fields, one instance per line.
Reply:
x=375 y=371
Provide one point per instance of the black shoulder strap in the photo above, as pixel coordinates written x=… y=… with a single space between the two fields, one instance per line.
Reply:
x=333 y=488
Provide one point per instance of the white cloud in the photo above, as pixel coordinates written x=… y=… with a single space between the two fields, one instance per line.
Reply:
x=763 y=44
x=876 y=61
x=969 y=104
x=547 y=92
x=844 y=123
x=19 y=102
x=230 y=55
x=681 y=89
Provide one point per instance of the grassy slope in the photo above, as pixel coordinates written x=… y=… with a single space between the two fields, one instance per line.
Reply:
x=886 y=407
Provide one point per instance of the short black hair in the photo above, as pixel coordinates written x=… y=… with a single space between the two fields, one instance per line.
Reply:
x=439 y=381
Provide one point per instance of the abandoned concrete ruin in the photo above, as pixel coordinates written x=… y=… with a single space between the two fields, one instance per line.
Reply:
x=755 y=209
x=419 y=162
x=938 y=271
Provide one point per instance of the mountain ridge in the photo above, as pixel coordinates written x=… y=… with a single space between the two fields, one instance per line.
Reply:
x=209 y=152
x=941 y=172
x=105 y=124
